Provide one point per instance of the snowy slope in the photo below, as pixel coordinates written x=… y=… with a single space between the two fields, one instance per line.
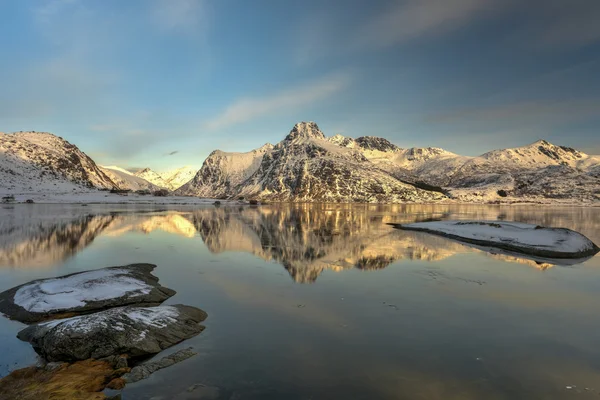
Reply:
x=151 y=176
x=176 y=178
x=126 y=180
x=222 y=172
x=42 y=162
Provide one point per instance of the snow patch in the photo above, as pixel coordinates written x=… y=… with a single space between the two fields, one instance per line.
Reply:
x=79 y=289
x=511 y=233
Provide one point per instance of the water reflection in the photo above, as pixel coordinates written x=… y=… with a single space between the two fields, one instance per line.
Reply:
x=305 y=239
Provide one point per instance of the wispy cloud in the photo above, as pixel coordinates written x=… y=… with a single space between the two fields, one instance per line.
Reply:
x=410 y=19
x=564 y=23
x=181 y=16
x=246 y=109
x=538 y=112
x=51 y=8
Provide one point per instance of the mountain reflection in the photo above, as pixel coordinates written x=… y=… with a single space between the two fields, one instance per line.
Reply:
x=305 y=239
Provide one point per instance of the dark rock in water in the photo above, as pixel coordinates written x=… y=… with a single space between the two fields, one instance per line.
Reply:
x=84 y=292
x=145 y=370
x=132 y=330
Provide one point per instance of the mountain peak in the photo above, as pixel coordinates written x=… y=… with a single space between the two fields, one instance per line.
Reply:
x=307 y=130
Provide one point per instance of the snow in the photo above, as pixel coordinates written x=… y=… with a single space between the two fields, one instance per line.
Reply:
x=79 y=289
x=159 y=317
x=512 y=233
x=91 y=196
x=126 y=180
x=152 y=177
x=176 y=178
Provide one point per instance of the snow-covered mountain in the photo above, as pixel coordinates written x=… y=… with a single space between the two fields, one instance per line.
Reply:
x=126 y=180
x=304 y=167
x=307 y=166
x=223 y=172
x=178 y=177
x=151 y=176
x=40 y=161
x=171 y=180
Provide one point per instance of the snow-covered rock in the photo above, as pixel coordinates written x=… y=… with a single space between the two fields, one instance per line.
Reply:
x=512 y=236
x=126 y=180
x=131 y=330
x=84 y=292
x=40 y=161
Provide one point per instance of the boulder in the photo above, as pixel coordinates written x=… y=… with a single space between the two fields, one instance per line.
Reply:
x=132 y=330
x=84 y=292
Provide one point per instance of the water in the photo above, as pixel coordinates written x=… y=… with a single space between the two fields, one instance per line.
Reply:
x=324 y=302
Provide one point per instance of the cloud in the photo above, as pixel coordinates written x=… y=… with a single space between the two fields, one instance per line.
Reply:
x=181 y=16
x=246 y=109
x=415 y=18
x=565 y=23
x=538 y=112
x=51 y=8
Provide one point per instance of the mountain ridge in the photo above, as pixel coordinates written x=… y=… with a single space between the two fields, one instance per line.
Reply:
x=308 y=166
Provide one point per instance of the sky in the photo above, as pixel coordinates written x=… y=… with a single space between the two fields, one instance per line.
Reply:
x=162 y=83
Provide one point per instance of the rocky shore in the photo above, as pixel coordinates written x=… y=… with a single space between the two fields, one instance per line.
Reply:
x=92 y=329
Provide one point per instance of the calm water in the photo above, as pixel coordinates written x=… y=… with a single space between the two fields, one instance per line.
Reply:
x=324 y=302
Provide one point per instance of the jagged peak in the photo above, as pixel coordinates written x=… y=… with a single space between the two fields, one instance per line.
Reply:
x=266 y=146
x=307 y=130
x=342 y=140
x=375 y=143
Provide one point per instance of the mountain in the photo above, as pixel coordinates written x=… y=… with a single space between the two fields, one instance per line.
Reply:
x=171 y=180
x=223 y=172
x=537 y=171
x=304 y=167
x=176 y=178
x=41 y=161
x=126 y=180
x=151 y=176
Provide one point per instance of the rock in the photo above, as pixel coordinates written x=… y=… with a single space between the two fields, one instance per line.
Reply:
x=51 y=366
x=83 y=380
x=117 y=362
x=117 y=384
x=132 y=330
x=84 y=292
x=518 y=237
x=145 y=370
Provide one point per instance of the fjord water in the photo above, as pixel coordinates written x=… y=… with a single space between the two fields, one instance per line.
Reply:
x=327 y=301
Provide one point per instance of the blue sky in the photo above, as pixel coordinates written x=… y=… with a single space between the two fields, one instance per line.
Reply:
x=162 y=83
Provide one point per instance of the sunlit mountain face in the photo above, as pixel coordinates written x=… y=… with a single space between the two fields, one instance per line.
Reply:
x=305 y=239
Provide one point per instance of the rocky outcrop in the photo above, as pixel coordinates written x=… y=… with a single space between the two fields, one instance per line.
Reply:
x=135 y=331
x=84 y=292
x=144 y=370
